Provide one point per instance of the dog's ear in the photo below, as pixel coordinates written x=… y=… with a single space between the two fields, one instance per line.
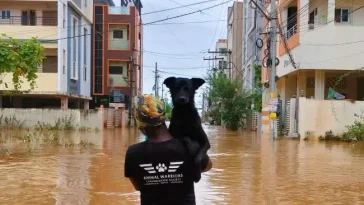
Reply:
x=169 y=82
x=197 y=82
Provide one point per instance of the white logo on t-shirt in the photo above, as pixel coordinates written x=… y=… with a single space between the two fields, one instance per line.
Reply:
x=161 y=167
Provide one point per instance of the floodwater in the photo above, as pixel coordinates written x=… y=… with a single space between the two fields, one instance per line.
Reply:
x=247 y=169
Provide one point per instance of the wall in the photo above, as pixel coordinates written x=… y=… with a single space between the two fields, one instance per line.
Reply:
x=82 y=118
x=62 y=46
x=318 y=50
x=320 y=116
x=46 y=82
x=74 y=51
x=79 y=86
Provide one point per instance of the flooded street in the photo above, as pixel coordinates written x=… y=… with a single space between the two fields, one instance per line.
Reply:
x=247 y=169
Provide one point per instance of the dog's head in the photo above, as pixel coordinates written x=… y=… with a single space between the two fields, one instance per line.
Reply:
x=183 y=89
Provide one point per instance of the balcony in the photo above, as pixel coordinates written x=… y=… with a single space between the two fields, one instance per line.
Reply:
x=292 y=31
x=43 y=28
x=30 y=21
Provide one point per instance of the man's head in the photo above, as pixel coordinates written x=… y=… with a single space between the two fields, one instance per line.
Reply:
x=150 y=115
x=183 y=89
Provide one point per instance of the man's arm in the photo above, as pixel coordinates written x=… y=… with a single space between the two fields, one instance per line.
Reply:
x=208 y=166
x=128 y=169
x=135 y=184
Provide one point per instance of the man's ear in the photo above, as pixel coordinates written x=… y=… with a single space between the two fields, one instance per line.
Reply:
x=169 y=82
x=197 y=82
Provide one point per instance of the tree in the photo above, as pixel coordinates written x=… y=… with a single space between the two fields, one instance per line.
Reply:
x=21 y=59
x=229 y=101
x=168 y=111
x=257 y=94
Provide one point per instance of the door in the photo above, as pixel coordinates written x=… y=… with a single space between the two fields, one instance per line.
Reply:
x=24 y=18
x=28 y=18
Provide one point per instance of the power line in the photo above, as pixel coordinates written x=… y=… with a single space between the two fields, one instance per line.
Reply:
x=182 y=6
x=186 y=14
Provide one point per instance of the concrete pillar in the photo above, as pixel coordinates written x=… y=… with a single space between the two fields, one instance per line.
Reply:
x=301 y=83
x=319 y=84
x=86 y=104
x=331 y=10
x=64 y=103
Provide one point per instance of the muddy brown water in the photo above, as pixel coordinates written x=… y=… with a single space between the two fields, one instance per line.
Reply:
x=248 y=169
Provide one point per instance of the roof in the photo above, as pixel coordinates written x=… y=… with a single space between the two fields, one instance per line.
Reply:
x=108 y=2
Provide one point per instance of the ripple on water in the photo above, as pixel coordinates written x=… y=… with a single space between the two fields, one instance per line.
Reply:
x=247 y=169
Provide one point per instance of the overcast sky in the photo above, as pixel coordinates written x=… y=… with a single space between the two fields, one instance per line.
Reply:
x=179 y=49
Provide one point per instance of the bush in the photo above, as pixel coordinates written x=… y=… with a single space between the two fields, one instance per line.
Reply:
x=229 y=102
x=355 y=132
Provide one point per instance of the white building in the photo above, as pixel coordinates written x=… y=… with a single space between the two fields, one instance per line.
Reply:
x=325 y=38
x=64 y=29
x=222 y=56
x=253 y=27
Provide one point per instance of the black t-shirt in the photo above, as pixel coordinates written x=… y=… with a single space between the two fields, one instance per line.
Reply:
x=163 y=171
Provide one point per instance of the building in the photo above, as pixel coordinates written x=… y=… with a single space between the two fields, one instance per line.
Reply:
x=234 y=38
x=252 y=38
x=222 y=56
x=117 y=44
x=324 y=40
x=63 y=27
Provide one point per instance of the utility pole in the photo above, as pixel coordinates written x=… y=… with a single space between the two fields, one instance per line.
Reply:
x=273 y=89
x=162 y=94
x=131 y=95
x=156 y=80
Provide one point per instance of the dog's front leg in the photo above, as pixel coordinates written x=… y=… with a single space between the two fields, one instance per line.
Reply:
x=204 y=144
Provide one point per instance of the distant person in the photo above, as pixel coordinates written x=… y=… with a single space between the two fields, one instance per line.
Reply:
x=161 y=167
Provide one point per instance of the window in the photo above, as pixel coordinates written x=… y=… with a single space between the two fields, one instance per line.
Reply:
x=118 y=37
x=5 y=14
x=118 y=75
x=64 y=16
x=312 y=16
x=222 y=65
x=118 y=34
x=223 y=51
x=74 y=50
x=28 y=18
x=64 y=62
x=342 y=15
x=85 y=54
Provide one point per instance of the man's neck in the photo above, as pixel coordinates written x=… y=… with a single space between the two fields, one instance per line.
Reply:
x=163 y=135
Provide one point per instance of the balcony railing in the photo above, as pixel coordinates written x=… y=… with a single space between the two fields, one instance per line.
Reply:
x=30 y=21
x=292 y=31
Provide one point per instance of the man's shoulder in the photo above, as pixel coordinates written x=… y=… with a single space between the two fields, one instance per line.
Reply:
x=136 y=147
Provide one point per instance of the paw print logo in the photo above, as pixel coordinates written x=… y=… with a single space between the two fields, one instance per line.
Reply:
x=161 y=167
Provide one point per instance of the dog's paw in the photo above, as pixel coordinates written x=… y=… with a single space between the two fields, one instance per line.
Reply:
x=197 y=177
x=161 y=167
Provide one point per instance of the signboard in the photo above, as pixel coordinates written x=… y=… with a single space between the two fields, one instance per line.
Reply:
x=273 y=105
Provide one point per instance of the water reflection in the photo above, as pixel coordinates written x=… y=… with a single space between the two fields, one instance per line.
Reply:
x=248 y=169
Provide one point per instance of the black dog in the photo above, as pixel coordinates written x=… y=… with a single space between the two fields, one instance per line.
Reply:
x=185 y=120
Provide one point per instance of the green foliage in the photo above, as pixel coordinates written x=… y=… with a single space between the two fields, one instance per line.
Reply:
x=355 y=132
x=21 y=58
x=168 y=111
x=229 y=102
x=257 y=96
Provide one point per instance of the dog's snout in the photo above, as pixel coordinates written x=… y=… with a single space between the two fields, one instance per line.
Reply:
x=182 y=100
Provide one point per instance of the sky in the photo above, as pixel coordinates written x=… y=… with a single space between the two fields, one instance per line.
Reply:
x=179 y=49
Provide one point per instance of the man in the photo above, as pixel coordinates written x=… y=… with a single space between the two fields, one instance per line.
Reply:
x=161 y=168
